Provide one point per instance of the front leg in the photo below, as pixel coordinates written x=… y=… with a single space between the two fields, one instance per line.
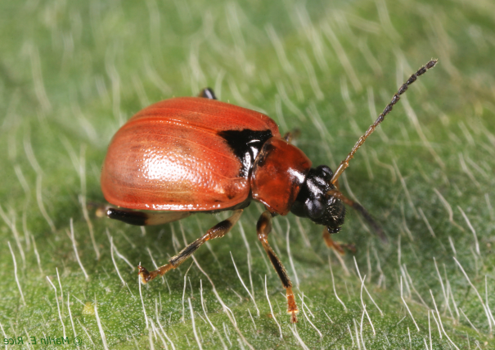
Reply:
x=337 y=246
x=263 y=228
x=217 y=231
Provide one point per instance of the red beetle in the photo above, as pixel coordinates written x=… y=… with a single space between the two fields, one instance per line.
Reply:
x=196 y=154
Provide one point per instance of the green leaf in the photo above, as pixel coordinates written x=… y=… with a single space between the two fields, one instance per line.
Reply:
x=72 y=72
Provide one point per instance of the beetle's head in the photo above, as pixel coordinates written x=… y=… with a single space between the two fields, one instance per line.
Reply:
x=319 y=199
x=314 y=202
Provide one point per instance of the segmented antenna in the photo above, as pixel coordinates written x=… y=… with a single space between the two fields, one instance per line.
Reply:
x=345 y=163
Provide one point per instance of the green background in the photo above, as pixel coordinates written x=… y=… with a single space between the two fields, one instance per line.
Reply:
x=72 y=72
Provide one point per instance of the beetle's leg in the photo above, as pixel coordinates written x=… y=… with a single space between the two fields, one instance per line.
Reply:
x=263 y=228
x=331 y=243
x=292 y=135
x=364 y=213
x=207 y=93
x=143 y=218
x=217 y=231
x=338 y=247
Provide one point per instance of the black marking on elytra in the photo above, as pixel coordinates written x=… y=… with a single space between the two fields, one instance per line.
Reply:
x=280 y=270
x=246 y=144
x=128 y=216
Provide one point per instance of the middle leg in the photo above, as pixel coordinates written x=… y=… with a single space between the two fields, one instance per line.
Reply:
x=292 y=135
x=263 y=228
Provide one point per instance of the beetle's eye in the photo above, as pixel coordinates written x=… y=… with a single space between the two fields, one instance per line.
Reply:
x=314 y=208
x=326 y=172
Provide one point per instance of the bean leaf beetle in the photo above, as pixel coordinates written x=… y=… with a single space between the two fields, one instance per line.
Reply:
x=196 y=154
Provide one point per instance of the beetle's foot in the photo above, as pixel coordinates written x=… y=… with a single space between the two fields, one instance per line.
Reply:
x=349 y=246
x=144 y=275
x=149 y=276
x=291 y=305
x=337 y=246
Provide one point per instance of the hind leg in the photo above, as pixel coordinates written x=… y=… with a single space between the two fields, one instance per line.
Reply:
x=217 y=231
x=207 y=93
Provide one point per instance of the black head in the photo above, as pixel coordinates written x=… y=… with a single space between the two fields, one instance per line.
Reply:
x=314 y=203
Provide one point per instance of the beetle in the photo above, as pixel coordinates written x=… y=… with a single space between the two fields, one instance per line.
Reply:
x=196 y=154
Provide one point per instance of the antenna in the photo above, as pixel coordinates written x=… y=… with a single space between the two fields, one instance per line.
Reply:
x=345 y=163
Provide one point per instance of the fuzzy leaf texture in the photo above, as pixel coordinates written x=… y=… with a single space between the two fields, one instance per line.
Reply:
x=72 y=72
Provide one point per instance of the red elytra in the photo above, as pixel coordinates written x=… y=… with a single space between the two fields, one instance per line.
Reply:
x=187 y=155
x=171 y=157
